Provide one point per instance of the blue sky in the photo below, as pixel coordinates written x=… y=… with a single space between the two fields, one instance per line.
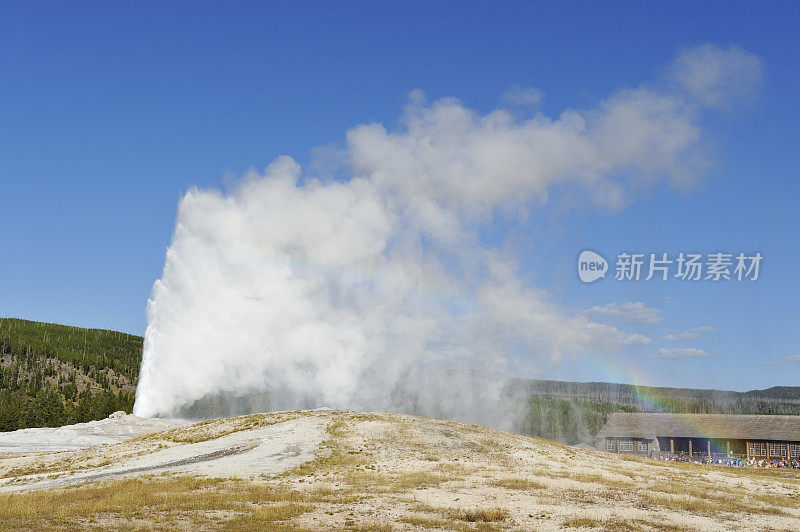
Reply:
x=110 y=112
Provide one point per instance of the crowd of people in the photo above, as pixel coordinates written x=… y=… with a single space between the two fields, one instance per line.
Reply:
x=730 y=462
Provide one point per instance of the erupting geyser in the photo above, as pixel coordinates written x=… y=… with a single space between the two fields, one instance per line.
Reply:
x=355 y=293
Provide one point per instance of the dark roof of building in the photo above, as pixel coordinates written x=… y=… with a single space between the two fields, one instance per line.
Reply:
x=722 y=426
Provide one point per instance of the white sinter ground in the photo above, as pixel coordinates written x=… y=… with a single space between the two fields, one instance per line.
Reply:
x=116 y=428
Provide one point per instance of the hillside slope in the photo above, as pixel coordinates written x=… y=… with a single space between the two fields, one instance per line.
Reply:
x=373 y=471
x=52 y=375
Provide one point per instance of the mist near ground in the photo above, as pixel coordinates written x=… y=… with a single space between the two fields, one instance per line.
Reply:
x=370 y=283
x=465 y=396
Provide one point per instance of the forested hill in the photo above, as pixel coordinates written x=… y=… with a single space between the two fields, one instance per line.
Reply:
x=53 y=375
x=775 y=400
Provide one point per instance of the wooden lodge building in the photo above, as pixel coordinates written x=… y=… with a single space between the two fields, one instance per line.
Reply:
x=703 y=435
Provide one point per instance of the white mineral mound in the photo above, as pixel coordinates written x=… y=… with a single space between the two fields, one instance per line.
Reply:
x=370 y=468
x=116 y=428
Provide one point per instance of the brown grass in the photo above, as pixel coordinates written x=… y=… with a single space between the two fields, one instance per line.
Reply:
x=425 y=522
x=261 y=517
x=662 y=526
x=581 y=522
x=594 y=478
x=480 y=515
x=153 y=499
x=520 y=484
x=710 y=505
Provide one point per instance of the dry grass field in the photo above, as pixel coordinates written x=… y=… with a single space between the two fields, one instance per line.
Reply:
x=363 y=471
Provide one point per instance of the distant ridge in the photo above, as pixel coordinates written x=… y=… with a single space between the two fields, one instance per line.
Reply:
x=784 y=392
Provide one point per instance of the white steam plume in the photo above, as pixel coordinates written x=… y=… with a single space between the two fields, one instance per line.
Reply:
x=343 y=292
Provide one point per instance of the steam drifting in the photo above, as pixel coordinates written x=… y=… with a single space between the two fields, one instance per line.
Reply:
x=357 y=292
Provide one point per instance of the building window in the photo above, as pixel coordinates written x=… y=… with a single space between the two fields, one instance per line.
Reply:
x=642 y=447
x=757 y=449
x=626 y=446
x=794 y=450
x=777 y=450
x=610 y=445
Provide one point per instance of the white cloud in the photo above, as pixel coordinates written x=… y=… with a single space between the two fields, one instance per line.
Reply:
x=326 y=291
x=681 y=352
x=690 y=334
x=525 y=315
x=522 y=96
x=630 y=312
x=718 y=76
x=450 y=162
x=791 y=359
